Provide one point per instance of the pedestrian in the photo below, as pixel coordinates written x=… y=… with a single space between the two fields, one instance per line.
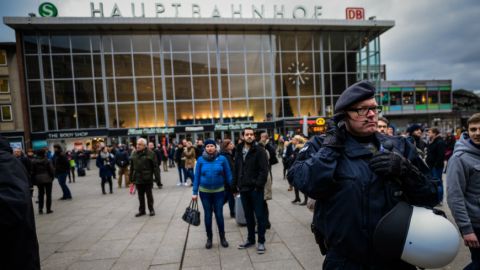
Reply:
x=158 y=155
x=19 y=244
x=106 y=165
x=450 y=145
x=71 y=162
x=62 y=168
x=356 y=176
x=171 y=155
x=287 y=155
x=436 y=157
x=43 y=174
x=227 y=152
x=382 y=125
x=250 y=177
x=415 y=132
x=211 y=173
x=122 y=160
x=180 y=160
x=199 y=148
x=190 y=160
x=272 y=160
x=299 y=142
x=463 y=188
x=143 y=170
x=164 y=154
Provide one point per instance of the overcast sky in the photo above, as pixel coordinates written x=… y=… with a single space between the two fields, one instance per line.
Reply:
x=432 y=39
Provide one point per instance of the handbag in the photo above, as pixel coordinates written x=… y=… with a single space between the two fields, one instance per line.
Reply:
x=192 y=214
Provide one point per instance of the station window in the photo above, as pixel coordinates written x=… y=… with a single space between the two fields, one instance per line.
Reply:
x=3 y=58
x=445 y=97
x=407 y=98
x=4 y=86
x=6 y=113
x=420 y=98
x=432 y=97
x=395 y=98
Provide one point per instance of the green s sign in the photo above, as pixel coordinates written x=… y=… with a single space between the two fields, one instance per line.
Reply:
x=47 y=10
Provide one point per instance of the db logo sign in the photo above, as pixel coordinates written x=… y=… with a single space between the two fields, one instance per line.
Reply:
x=355 y=14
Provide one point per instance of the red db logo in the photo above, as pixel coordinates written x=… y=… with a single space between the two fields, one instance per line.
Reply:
x=355 y=13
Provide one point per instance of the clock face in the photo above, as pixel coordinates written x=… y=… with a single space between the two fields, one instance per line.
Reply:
x=298 y=74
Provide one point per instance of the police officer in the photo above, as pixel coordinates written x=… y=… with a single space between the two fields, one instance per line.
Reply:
x=357 y=175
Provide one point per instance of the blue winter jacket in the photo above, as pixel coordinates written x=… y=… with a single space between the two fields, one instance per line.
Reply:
x=351 y=199
x=211 y=174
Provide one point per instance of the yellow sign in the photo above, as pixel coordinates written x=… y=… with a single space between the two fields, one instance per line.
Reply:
x=320 y=121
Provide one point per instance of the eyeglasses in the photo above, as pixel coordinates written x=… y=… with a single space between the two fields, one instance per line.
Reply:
x=364 y=111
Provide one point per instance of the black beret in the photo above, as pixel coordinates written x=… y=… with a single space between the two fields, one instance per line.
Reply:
x=414 y=127
x=357 y=92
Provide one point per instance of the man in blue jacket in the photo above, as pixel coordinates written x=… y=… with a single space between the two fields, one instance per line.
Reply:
x=357 y=176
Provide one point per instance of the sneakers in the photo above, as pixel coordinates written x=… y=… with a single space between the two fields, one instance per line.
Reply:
x=179 y=184
x=245 y=245
x=261 y=248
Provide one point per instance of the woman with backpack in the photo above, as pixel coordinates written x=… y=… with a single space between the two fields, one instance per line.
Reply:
x=43 y=174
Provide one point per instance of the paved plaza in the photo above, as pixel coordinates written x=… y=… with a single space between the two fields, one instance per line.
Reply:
x=95 y=231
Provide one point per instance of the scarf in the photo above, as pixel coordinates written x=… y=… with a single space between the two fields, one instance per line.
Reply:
x=209 y=157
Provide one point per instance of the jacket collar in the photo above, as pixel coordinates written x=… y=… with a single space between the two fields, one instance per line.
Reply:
x=354 y=149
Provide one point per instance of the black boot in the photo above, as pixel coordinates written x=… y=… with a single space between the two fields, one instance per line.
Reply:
x=223 y=241
x=208 y=245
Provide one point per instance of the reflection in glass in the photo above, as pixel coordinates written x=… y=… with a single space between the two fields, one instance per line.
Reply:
x=82 y=66
x=84 y=91
x=408 y=97
x=37 y=118
x=198 y=43
x=34 y=93
x=107 y=43
x=97 y=66
x=47 y=69
x=101 y=116
x=304 y=41
x=201 y=87
x=338 y=62
x=236 y=63
x=237 y=86
x=30 y=44
x=62 y=66
x=239 y=111
x=64 y=92
x=336 y=41
x=112 y=116
x=338 y=83
x=66 y=117
x=286 y=42
x=96 y=43
x=60 y=44
x=99 y=91
x=126 y=115
x=160 y=115
x=181 y=63
x=183 y=88
x=158 y=89
x=143 y=66
x=420 y=97
x=171 y=114
x=157 y=71
x=307 y=107
x=235 y=42
x=123 y=65
x=214 y=84
x=255 y=86
x=396 y=98
x=141 y=43
x=253 y=42
x=256 y=110
x=199 y=63
x=31 y=63
x=146 y=115
x=169 y=88
x=184 y=111
x=124 y=89
x=121 y=43
x=44 y=43
x=49 y=96
x=254 y=63
x=110 y=91
x=51 y=122
x=203 y=113
x=108 y=65
x=86 y=117
x=432 y=97
x=445 y=97
x=144 y=89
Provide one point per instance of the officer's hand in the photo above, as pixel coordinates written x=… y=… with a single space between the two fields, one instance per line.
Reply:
x=388 y=164
x=471 y=240
x=335 y=136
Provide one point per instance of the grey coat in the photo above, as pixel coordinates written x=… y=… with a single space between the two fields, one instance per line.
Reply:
x=463 y=185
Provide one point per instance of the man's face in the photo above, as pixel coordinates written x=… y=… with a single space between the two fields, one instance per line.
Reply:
x=382 y=127
x=17 y=152
x=474 y=132
x=362 y=118
x=417 y=133
x=140 y=146
x=390 y=131
x=431 y=135
x=184 y=142
x=248 y=136
x=151 y=146
x=264 y=137
x=199 y=142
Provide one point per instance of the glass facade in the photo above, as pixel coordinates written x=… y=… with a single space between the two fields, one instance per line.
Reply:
x=140 y=80
x=407 y=97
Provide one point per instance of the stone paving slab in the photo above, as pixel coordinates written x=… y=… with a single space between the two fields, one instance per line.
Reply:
x=95 y=231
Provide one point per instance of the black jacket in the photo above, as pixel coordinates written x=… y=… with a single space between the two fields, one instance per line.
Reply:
x=61 y=164
x=18 y=244
x=178 y=157
x=436 y=153
x=42 y=171
x=251 y=173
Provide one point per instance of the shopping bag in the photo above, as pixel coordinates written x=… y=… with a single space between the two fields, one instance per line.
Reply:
x=192 y=214
x=132 y=189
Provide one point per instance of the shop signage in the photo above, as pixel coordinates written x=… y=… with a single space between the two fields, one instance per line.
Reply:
x=228 y=127
x=64 y=135
x=145 y=131
x=175 y=9
x=320 y=121
x=193 y=129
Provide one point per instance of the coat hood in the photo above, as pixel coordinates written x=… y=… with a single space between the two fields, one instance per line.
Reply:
x=465 y=146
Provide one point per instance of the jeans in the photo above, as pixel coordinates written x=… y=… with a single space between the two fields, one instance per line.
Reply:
x=182 y=170
x=44 y=189
x=437 y=174
x=71 y=174
x=107 y=180
x=189 y=174
x=142 y=190
x=213 y=203
x=474 y=254
x=62 y=180
x=253 y=206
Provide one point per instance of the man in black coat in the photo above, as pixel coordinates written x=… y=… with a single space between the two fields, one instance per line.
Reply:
x=435 y=158
x=250 y=177
x=18 y=244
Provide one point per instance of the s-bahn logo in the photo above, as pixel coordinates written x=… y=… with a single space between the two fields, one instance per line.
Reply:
x=47 y=10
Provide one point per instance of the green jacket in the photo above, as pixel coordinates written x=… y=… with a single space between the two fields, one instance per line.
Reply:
x=143 y=166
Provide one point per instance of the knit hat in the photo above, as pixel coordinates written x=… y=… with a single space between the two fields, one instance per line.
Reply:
x=413 y=127
x=357 y=92
x=210 y=141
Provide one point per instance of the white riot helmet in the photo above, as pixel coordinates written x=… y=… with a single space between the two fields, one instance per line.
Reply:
x=416 y=235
